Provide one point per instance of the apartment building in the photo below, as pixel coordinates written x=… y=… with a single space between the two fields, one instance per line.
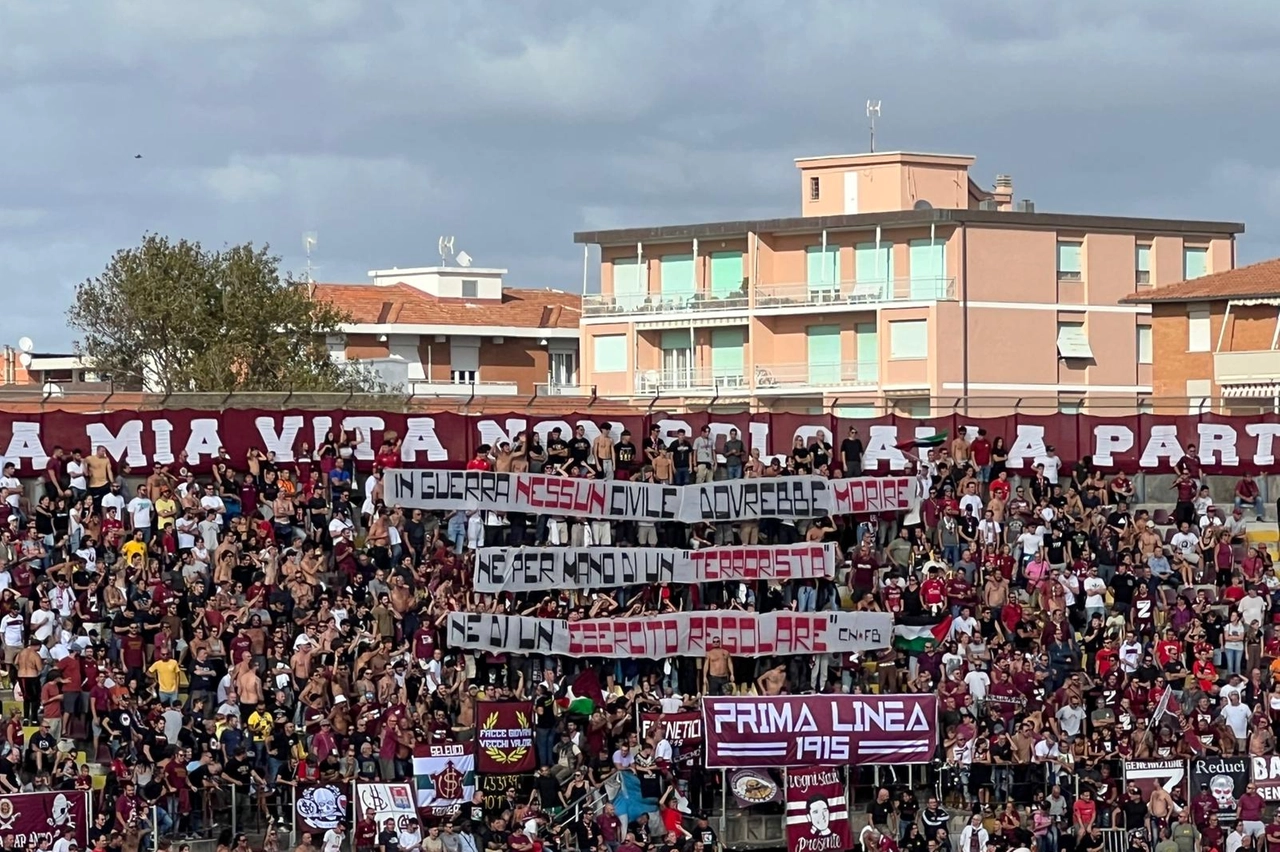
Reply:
x=454 y=331
x=901 y=281
x=1215 y=341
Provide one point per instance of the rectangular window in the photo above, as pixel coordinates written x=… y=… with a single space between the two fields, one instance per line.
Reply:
x=1198 y=391
x=822 y=269
x=726 y=275
x=677 y=278
x=1195 y=263
x=1198 y=333
x=824 y=354
x=463 y=377
x=1069 y=260
x=727 y=348
x=814 y=189
x=868 y=353
x=1069 y=406
x=1145 y=355
x=1073 y=341
x=928 y=259
x=470 y=288
x=908 y=340
x=609 y=353
x=562 y=370
x=629 y=286
x=1142 y=265
x=873 y=271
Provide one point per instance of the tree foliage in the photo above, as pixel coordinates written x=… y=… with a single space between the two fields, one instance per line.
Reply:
x=176 y=317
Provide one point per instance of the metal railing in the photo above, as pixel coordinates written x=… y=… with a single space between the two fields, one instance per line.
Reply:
x=477 y=388
x=775 y=296
x=692 y=379
x=787 y=376
x=855 y=293
x=558 y=389
x=607 y=304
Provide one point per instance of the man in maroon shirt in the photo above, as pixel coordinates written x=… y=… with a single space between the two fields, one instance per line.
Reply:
x=1248 y=494
x=1184 y=511
x=1249 y=808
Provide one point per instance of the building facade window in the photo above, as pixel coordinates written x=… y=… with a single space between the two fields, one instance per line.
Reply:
x=1142 y=265
x=1195 y=262
x=464 y=377
x=908 y=340
x=1069 y=253
x=1198 y=391
x=815 y=188
x=470 y=288
x=609 y=353
x=1144 y=345
x=1198 y=334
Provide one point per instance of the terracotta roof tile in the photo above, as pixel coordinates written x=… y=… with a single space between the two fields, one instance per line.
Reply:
x=400 y=303
x=1256 y=281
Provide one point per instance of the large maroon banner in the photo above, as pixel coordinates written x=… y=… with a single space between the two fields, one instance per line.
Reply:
x=504 y=739
x=29 y=818
x=192 y=438
x=683 y=730
x=819 y=730
x=817 y=811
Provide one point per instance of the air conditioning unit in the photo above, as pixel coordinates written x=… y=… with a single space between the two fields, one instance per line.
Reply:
x=1026 y=205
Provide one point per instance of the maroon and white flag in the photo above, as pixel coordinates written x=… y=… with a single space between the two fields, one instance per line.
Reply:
x=817 y=813
x=819 y=730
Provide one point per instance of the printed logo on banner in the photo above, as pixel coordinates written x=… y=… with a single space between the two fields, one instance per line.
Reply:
x=751 y=787
x=31 y=818
x=445 y=776
x=824 y=730
x=386 y=801
x=1226 y=778
x=321 y=807
x=817 y=813
x=504 y=741
x=1148 y=774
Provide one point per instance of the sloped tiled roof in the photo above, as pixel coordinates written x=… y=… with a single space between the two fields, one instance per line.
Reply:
x=1256 y=281
x=402 y=304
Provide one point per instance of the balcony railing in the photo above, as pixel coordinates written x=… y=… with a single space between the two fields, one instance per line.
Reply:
x=853 y=293
x=699 y=379
x=843 y=375
x=604 y=304
x=1261 y=365
x=558 y=389
x=856 y=293
x=463 y=389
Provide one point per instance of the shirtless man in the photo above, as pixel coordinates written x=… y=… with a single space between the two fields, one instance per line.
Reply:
x=664 y=469
x=248 y=684
x=602 y=449
x=717 y=672
x=960 y=449
x=772 y=681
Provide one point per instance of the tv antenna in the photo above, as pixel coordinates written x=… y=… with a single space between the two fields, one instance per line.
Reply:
x=446 y=250
x=873 y=112
x=309 y=241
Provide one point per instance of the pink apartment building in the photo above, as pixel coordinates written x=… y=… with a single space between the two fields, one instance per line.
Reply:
x=902 y=283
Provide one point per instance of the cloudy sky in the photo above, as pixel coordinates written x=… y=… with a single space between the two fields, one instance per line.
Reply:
x=382 y=124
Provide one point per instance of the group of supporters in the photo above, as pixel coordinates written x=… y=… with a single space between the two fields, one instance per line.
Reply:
x=204 y=639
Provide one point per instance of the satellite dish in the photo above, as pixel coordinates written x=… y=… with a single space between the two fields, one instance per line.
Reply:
x=922 y=205
x=24 y=358
x=26 y=344
x=50 y=389
x=463 y=259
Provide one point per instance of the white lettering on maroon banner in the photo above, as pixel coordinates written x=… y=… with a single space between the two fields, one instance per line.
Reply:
x=819 y=730
x=793 y=497
x=680 y=634
x=817 y=812
x=526 y=569
x=1265 y=772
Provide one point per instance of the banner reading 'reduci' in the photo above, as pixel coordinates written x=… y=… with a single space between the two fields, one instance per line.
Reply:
x=786 y=497
x=677 y=634
x=527 y=569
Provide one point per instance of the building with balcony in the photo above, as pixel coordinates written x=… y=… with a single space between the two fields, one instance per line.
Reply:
x=901 y=281
x=455 y=331
x=1215 y=341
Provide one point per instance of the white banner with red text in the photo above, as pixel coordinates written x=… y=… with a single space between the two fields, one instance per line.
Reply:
x=527 y=569
x=678 y=634
x=789 y=497
x=819 y=730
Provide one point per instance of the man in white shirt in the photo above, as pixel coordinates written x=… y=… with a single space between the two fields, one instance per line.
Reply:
x=1051 y=464
x=211 y=502
x=1253 y=607
x=1186 y=541
x=1070 y=718
x=140 y=509
x=10 y=482
x=411 y=837
x=977 y=680
x=1130 y=653
x=1095 y=594
x=970 y=500
x=75 y=475
x=113 y=500
x=1237 y=715
x=43 y=620
x=334 y=838
x=973 y=838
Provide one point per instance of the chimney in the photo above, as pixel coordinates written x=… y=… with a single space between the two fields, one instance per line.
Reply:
x=1003 y=192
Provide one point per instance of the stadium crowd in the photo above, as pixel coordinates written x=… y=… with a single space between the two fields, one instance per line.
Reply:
x=268 y=624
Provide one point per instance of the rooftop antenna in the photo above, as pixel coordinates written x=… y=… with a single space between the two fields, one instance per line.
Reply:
x=873 y=112
x=309 y=241
x=446 y=250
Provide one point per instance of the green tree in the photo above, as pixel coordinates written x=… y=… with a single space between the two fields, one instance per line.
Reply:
x=175 y=317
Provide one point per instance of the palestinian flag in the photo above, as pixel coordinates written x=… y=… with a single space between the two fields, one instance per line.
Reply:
x=927 y=443
x=912 y=638
x=583 y=694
